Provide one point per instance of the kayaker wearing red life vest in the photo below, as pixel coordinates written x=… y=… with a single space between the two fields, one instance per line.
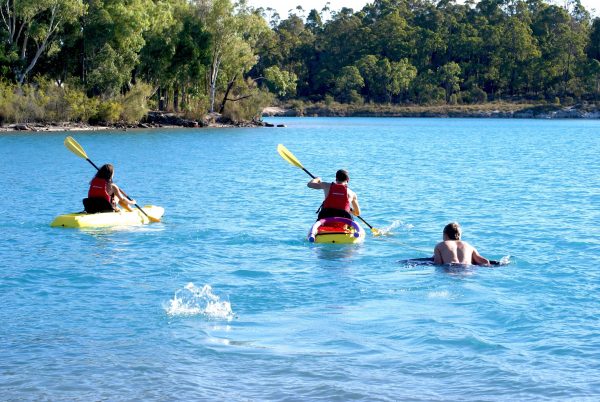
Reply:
x=339 y=199
x=104 y=195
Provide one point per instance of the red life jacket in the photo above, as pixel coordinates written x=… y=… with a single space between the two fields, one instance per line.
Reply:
x=337 y=198
x=98 y=189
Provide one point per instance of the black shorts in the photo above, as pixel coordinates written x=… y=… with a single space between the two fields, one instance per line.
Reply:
x=96 y=205
x=333 y=213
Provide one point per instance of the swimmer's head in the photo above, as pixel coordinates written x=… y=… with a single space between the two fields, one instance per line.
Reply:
x=452 y=231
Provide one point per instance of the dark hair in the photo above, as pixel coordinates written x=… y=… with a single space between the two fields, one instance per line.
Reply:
x=342 y=175
x=453 y=231
x=105 y=172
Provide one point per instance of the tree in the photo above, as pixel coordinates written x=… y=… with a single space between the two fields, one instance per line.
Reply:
x=449 y=77
x=401 y=75
x=593 y=49
x=32 y=26
x=113 y=33
x=282 y=82
x=348 y=83
x=239 y=55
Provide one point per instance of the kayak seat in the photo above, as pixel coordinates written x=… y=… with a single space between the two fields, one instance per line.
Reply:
x=343 y=228
x=97 y=205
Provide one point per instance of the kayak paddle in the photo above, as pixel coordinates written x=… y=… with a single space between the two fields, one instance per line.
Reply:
x=292 y=160
x=74 y=147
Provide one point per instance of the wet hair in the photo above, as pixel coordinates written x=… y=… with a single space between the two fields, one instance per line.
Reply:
x=453 y=231
x=106 y=172
x=342 y=175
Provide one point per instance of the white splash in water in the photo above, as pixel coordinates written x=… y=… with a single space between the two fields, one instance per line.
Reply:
x=439 y=294
x=388 y=230
x=505 y=260
x=192 y=300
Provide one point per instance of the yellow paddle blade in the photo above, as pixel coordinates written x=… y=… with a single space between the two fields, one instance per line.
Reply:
x=376 y=232
x=288 y=156
x=152 y=218
x=74 y=147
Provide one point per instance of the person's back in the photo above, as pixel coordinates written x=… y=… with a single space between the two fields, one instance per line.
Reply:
x=452 y=250
x=339 y=200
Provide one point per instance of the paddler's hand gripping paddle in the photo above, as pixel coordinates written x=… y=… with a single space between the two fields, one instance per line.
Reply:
x=74 y=147
x=292 y=160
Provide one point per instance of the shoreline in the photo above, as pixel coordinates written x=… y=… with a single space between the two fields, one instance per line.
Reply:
x=153 y=120
x=492 y=110
x=165 y=120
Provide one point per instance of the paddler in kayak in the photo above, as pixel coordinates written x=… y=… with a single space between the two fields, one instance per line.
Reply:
x=339 y=201
x=104 y=195
x=452 y=250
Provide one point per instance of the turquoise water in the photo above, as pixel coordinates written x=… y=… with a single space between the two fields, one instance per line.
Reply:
x=225 y=300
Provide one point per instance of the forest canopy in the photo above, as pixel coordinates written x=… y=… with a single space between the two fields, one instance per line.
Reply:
x=111 y=60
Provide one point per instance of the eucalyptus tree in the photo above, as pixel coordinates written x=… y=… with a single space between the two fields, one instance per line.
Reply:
x=32 y=27
x=113 y=38
x=234 y=34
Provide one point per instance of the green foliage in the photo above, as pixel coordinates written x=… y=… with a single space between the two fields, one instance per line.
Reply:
x=474 y=95
x=347 y=85
x=89 y=57
x=449 y=78
x=109 y=112
x=281 y=82
x=134 y=105
x=81 y=107
x=249 y=110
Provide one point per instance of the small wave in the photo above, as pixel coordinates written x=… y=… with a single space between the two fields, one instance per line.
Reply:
x=389 y=230
x=504 y=260
x=192 y=300
x=439 y=294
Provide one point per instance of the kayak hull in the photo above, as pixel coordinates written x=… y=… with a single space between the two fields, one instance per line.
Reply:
x=336 y=230
x=108 y=219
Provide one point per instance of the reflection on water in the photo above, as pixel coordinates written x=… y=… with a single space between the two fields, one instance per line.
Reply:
x=332 y=252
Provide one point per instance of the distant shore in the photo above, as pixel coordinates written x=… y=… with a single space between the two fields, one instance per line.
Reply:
x=488 y=110
x=156 y=119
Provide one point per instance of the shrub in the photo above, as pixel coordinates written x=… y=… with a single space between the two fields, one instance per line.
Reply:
x=134 y=104
x=108 y=112
x=7 y=96
x=299 y=106
x=80 y=107
x=355 y=98
x=568 y=101
x=195 y=108
x=250 y=108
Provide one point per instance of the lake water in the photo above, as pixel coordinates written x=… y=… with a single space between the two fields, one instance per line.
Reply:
x=226 y=300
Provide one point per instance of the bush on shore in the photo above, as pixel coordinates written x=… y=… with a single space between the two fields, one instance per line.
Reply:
x=47 y=102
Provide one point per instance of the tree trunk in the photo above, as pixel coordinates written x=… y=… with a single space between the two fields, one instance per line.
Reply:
x=176 y=98
x=229 y=86
x=214 y=73
x=161 y=102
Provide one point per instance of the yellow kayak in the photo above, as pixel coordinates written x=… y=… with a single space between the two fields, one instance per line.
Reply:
x=107 y=219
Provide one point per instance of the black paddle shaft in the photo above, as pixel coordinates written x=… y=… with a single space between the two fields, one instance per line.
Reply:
x=309 y=173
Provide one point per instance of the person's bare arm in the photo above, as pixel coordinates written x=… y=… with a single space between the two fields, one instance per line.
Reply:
x=315 y=183
x=355 y=206
x=121 y=195
x=477 y=259
x=437 y=256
